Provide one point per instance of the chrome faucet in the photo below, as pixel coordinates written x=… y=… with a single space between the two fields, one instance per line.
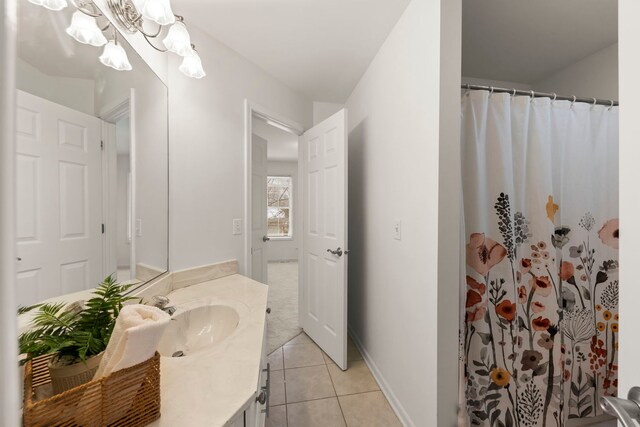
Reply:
x=162 y=302
x=627 y=411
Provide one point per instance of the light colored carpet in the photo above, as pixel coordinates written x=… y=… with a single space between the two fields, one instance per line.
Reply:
x=282 y=323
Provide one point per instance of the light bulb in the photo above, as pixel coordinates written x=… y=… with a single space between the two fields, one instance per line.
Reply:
x=178 y=39
x=192 y=65
x=50 y=4
x=158 y=11
x=115 y=56
x=84 y=29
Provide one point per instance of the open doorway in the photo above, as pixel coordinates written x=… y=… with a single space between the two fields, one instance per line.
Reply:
x=321 y=243
x=124 y=257
x=275 y=261
x=119 y=184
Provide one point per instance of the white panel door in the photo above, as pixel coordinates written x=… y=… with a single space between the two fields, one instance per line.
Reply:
x=323 y=290
x=59 y=199
x=259 y=209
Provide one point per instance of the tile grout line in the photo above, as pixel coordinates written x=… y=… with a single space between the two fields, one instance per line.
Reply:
x=336 y=392
x=331 y=397
x=302 y=367
x=284 y=380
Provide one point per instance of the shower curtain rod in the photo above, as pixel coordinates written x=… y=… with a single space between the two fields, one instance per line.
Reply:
x=535 y=94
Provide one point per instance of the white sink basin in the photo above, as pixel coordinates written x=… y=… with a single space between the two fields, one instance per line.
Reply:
x=198 y=328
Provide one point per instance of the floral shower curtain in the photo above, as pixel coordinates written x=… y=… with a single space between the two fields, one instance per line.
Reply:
x=539 y=332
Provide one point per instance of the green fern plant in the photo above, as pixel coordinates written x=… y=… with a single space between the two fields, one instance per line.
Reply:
x=75 y=333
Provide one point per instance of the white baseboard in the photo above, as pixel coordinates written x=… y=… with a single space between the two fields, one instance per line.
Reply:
x=384 y=386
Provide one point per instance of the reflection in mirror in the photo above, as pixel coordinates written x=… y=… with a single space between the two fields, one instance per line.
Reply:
x=92 y=163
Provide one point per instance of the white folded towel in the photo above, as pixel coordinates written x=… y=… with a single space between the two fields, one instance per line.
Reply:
x=135 y=338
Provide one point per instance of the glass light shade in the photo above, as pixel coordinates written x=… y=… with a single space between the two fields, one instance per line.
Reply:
x=84 y=29
x=158 y=11
x=178 y=39
x=192 y=65
x=114 y=56
x=51 y=4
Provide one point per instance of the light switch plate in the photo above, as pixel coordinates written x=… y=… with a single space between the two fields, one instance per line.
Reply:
x=237 y=226
x=397 y=230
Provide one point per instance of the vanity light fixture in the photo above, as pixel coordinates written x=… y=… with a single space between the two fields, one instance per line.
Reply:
x=115 y=56
x=178 y=40
x=192 y=65
x=84 y=29
x=158 y=11
x=132 y=16
x=51 y=4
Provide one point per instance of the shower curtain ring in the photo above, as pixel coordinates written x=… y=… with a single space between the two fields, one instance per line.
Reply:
x=611 y=106
x=533 y=95
x=574 y=101
x=514 y=93
x=554 y=97
x=595 y=101
x=490 y=90
x=468 y=90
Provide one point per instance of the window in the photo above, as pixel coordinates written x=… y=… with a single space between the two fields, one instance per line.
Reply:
x=279 y=206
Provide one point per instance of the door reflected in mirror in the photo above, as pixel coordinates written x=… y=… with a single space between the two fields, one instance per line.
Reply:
x=91 y=163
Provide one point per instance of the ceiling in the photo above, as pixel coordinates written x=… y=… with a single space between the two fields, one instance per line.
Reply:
x=44 y=44
x=320 y=48
x=281 y=145
x=526 y=41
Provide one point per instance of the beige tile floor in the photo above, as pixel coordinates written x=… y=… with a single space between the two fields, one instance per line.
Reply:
x=309 y=390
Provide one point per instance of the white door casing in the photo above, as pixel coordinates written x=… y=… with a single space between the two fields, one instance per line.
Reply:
x=111 y=115
x=58 y=201
x=258 y=209
x=323 y=274
x=109 y=197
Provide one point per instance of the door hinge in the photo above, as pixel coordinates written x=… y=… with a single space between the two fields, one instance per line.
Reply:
x=102 y=228
x=102 y=145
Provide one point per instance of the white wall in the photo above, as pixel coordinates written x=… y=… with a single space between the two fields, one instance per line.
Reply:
x=324 y=110
x=286 y=249
x=151 y=173
x=628 y=15
x=70 y=92
x=150 y=147
x=393 y=175
x=495 y=83
x=123 y=247
x=594 y=76
x=207 y=149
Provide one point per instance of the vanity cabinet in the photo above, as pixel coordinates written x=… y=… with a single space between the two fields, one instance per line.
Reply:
x=256 y=414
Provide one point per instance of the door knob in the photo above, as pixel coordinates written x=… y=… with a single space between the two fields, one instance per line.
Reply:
x=337 y=252
x=627 y=411
x=265 y=239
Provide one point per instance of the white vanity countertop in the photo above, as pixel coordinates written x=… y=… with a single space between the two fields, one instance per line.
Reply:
x=211 y=387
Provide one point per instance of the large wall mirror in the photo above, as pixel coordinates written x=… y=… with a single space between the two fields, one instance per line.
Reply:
x=92 y=163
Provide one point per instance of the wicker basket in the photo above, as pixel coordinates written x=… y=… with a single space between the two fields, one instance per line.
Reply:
x=129 y=397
